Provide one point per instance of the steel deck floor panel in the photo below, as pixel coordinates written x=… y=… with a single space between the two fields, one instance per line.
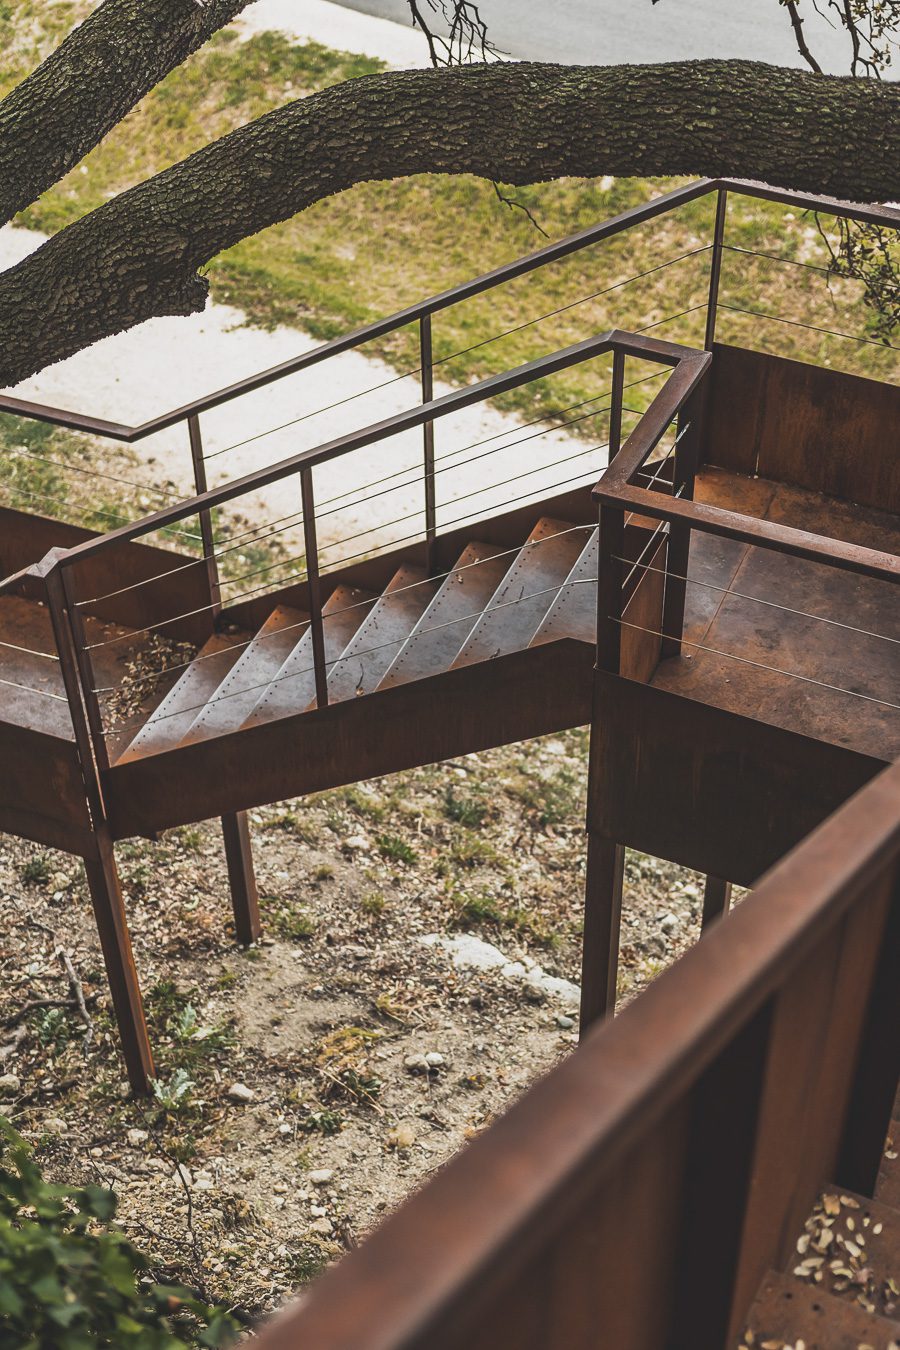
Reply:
x=777 y=640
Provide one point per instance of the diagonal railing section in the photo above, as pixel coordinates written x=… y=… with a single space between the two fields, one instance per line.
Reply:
x=683 y=368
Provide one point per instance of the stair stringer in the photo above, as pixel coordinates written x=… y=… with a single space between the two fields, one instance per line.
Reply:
x=525 y=694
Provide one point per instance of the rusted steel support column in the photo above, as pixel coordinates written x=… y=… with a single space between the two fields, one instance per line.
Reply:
x=602 y=918
x=112 y=926
x=716 y=899
x=872 y=1096
x=426 y=359
x=244 y=894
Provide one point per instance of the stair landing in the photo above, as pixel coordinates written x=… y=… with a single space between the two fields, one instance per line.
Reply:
x=792 y=669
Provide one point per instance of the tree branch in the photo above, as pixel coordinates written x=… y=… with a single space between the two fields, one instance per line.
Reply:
x=139 y=255
x=83 y=89
x=797 y=25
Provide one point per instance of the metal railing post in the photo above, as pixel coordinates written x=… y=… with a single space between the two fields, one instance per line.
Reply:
x=74 y=684
x=715 y=271
x=610 y=581
x=615 y=403
x=206 y=529
x=687 y=459
x=85 y=668
x=426 y=359
x=316 y=626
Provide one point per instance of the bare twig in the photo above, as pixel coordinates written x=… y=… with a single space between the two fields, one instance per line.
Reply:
x=797 y=25
x=512 y=202
x=65 y=960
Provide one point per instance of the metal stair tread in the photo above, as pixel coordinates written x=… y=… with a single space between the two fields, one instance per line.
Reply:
x=442 y=630
x=172 y=717
x=382 y=634
x=573 y=613
x=517 y=608
x=293 y=688
x=259 y=661
x=786 y=1312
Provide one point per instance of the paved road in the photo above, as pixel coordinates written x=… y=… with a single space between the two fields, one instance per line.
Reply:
x=615 y=31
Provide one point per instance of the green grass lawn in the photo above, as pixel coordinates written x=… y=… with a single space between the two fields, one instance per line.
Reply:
x=377 y=247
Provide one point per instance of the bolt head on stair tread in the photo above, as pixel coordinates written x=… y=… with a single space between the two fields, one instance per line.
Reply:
x=293 y=688
x=442 y=629
x=382 y=634
x=260 y=659
x=519 y=605
x=173 y=716
x=786 y=1312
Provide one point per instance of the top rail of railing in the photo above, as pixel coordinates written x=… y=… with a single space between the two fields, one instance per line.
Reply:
x=618 y=488
x=689 y=366
x=501 y=1225
x=880 y=215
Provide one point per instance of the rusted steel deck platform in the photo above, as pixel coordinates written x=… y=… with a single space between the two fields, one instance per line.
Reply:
x=794 y=634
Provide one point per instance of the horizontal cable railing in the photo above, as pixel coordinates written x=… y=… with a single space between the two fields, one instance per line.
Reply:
x=685 y=369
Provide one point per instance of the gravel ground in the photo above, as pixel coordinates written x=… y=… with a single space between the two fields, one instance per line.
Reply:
x=308 y=1084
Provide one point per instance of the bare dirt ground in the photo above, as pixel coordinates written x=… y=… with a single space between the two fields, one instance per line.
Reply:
x=310 y=1083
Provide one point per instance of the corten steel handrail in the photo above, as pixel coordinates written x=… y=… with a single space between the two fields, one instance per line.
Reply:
x=636 y=1195
x=618 y=490
x=688 y=368
x=642 y=347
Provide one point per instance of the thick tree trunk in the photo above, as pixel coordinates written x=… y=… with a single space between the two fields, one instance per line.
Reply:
x=139 y=255
x=83 y=89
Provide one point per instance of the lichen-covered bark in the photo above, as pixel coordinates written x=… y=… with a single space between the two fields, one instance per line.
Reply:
x=139 y=255
x=103 y=68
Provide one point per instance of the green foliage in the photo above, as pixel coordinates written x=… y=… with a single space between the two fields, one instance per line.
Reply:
x=69 y=1281
x=174 y=1093
x=36 y=872
x=54 y=1028
x=322 y=1122
x=188 y=1047
x=395 y=849
x=465 y=810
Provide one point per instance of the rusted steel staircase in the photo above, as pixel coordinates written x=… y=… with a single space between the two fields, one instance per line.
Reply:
x=712 y=744
x=490 y=604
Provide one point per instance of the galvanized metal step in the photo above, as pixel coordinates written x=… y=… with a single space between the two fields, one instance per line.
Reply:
x=787 y=1313
x=573 y=613
x=438 y=637
x=173 y=717
x=293 y=688
x=240 y=691
x=519 y=605
x=381 y=636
